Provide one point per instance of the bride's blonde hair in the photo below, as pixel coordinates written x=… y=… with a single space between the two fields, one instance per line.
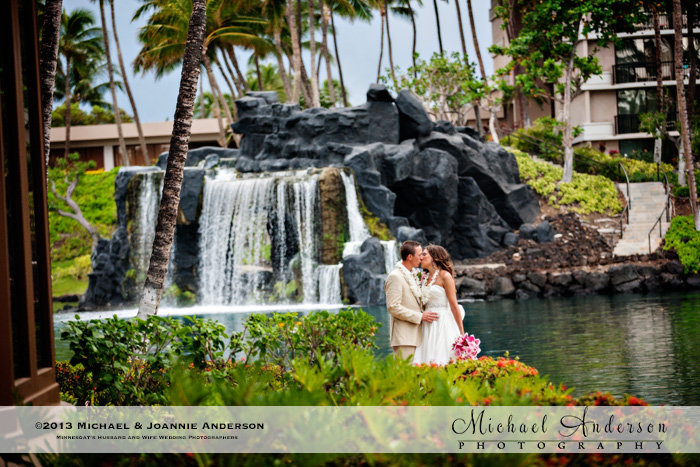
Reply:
x=441 y=258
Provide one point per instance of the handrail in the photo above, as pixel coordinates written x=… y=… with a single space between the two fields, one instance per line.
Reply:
x=629 y=199
x=658 y=221
x=659 y=165
x=625 y=214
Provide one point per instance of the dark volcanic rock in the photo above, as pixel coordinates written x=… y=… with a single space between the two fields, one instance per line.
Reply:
x=413 y=119
x=364 y=274
x=544 y=232
x=597 y=281
x=561 y=279
x=195 y=156
x=378 y=93
x=537 y=278
x=467 y=287
x=502 y=286
x=409 y=233
x=192 y=185
x=622 y=274
x=527 y=231
x=694 y=281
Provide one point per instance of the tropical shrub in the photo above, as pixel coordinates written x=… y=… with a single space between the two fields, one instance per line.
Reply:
x=685 y=240
x=584 y=194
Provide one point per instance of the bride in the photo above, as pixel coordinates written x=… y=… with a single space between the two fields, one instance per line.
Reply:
x=439 y=285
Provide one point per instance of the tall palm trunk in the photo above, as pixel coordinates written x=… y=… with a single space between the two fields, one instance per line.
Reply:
x=202 y=111
x=337 y=59
x=279 y=54
x=228 y=81
x=216 y=111
x=112 y=88
x=388 y=43
x=415 y=34
x=326 y=54
x=461 y=27
x=682 y=108
x=66 y=91
x=239 y=87
x=49 y=57
x=239 y=76
x=258 y=73
x=216 y=89
x=381 y=50
x=437 y=20
x=296 y=49
x=315 y=94
x=179 y=142
x=477 y=112
x=660 y=100
x=127 y=87
x=692 y=61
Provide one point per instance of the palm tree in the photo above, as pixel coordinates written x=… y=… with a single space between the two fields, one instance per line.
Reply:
x=461 y=28
x=167 y=214
x=79 y=42
x=477 y=113
x=120 y=132
x=269 y=80
x=683 y=110
x=404 y=9
x=122 y=68
x=437 y=20
x=164 y=37
x=48 y=59
x=325 y=14
x=315 y=96
x=86 y=83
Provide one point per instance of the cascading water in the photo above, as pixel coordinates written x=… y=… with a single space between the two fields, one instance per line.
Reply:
x=245 y=229
x=356 y=225
x=329 y=284
x=391 y=255
x=147 y=204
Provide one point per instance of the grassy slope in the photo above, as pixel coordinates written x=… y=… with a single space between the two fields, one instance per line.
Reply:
x=95 y=196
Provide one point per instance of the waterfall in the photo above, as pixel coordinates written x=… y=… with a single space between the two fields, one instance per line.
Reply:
x=146 y=216
x=391 y=255
x=356 y=225
x=243 y=226
x=329 y=284
x=305 y=207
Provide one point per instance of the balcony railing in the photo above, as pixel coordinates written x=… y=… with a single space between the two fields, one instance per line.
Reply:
x=630 y=123
x=641 y=71
x=665 y=21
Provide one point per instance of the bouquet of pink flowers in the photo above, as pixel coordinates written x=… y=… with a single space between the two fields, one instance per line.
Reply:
x=466 y=347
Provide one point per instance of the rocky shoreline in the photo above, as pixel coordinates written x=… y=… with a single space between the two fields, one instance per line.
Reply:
x=578 y=261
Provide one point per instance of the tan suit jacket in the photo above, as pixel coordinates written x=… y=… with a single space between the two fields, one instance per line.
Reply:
x=405 y=311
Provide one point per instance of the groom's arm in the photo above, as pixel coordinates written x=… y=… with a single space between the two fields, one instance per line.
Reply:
x=394 y=296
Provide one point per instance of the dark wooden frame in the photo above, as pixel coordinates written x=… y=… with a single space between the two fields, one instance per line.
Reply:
x=34 y=383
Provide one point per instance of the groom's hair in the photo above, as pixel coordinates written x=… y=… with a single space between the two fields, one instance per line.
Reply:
x=408 y=248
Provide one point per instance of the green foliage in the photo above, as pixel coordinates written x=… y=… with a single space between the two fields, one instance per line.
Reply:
x=78 y=117
x=95 y=196
x=78 y=269
x=584 y=194
x=125 y=361
x=439 y=83
x=175 y=294
x=281 y=338
x=685 y=240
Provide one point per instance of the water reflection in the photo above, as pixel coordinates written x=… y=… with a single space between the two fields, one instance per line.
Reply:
x=646 y=345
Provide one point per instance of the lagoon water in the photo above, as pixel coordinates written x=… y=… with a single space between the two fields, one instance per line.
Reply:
x=644 y=345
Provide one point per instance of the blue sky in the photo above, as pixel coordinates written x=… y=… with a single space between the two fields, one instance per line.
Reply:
x=358 y=45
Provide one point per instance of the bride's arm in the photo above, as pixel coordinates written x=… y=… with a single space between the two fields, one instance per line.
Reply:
x=451 y=291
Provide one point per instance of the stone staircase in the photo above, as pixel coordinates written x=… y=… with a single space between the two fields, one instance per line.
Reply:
x=648 y=201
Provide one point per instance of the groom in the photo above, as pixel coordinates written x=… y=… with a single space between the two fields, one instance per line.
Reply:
x=403 y=301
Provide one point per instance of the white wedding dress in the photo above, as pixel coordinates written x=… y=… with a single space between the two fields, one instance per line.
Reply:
x=439 y=335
